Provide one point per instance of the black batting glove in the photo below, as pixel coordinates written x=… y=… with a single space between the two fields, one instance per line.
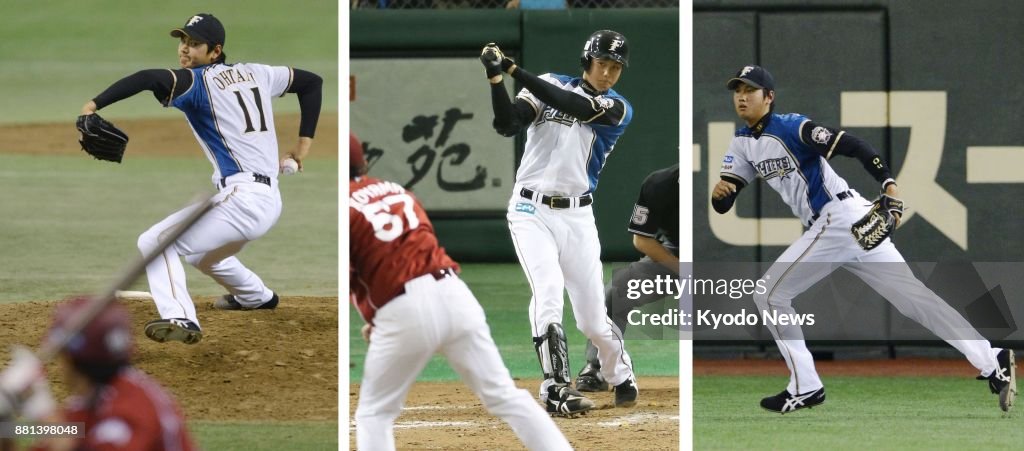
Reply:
x=491 y=57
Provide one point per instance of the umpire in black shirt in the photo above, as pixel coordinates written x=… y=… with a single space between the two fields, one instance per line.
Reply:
x=655 y=228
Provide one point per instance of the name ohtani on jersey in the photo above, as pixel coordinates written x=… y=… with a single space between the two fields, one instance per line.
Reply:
x=229 y=109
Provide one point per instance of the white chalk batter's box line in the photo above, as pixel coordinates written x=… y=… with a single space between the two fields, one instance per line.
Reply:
x=632 y=419
x=414 y=408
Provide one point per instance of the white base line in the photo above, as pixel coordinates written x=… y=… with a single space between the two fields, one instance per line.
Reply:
x=426 y=424
x=636 y=418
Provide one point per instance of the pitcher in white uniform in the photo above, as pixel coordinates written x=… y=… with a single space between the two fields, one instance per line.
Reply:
x=791 y=152
x=572 y=124
x=228 y=107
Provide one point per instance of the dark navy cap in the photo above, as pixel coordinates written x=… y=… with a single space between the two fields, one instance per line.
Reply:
x=202 y=27
x=755 y=76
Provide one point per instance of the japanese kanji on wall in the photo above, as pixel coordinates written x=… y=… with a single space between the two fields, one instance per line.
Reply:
x=437 y=142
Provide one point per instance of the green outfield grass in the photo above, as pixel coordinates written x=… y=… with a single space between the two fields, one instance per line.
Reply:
x=59 y=54
x=71 y=223
x=505 y=296
x=237 y=436
x=859 y=413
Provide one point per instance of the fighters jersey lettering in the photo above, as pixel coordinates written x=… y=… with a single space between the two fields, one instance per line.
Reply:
x=563 y=155
x=229 y=109
x=796 y=169
x=392 y=242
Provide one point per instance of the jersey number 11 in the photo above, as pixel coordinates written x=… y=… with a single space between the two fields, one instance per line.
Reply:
x=245 y=111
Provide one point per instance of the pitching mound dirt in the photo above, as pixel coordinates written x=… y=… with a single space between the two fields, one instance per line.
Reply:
x=447 y=415
x=251 y=366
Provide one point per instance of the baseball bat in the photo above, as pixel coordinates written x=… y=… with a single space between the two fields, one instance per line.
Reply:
x=97 y=302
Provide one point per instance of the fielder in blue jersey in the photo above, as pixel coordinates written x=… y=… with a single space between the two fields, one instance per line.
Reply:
x=790 y=153
x=572 y=125
x=228 y=107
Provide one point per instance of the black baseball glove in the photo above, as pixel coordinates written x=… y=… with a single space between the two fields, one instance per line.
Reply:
x=100 y=138
x=879 y=223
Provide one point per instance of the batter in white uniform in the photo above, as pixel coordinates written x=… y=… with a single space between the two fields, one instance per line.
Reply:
x=572 y=126
x=229 y=109
x=790 y=152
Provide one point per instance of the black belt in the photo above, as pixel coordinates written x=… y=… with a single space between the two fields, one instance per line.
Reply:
x=557 y=202
x=258 y=178
x=438 y=275
x=841 y=196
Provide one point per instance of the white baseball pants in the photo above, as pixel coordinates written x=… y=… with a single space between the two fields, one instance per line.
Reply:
x=441 y=316
x=829 y=245
x=559 y=251
x=242 y=213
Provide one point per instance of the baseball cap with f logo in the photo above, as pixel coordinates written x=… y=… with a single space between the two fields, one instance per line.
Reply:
x=202 y=27
x=755 y=76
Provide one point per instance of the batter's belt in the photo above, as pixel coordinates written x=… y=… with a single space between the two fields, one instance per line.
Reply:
x=438 y=275
x=557 y=202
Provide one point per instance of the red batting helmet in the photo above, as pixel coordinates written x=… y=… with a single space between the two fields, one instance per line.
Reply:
x=107 y=339
x=357 y=165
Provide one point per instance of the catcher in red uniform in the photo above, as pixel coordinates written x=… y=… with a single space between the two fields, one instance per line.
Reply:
x=120 y=407
x=407 y=290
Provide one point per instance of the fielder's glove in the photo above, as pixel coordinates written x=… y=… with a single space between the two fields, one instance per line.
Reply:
x=879 y=223
x=100 y=138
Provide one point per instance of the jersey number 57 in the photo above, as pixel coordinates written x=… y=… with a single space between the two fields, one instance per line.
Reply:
x=385 y=216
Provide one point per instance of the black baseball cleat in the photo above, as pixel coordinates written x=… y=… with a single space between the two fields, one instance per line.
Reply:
x=1003 y=381
x=228 y=302
x=591 y=380
x=626 y=393
x=785 y=402
x=564 y=401
x=177 y=329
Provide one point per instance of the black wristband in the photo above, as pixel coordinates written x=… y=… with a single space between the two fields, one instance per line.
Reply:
x=492 y=71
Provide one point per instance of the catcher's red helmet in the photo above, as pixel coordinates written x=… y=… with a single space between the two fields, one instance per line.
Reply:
x=107 y=339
